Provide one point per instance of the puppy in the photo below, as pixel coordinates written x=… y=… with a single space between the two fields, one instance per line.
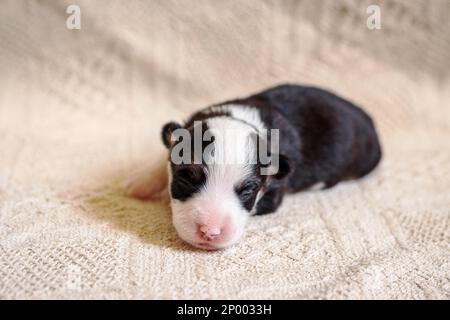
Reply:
x=239 y=158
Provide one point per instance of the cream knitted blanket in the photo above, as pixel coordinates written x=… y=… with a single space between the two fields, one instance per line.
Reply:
x=80 y=109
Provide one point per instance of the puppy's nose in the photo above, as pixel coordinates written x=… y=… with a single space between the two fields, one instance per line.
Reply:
x=209 y=232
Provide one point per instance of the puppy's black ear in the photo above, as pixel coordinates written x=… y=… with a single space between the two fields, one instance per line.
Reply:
x=279 y=166
x=167 y=131
x=284 y=167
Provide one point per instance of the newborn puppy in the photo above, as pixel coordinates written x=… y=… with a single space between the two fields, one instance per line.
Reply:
x=282 y=140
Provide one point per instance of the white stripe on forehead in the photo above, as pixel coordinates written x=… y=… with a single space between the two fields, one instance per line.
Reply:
x=233 y=143
x=234 y=151
x=244 y=113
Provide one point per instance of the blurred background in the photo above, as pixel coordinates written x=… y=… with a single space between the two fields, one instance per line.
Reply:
x=79 y=105
x=131 y=67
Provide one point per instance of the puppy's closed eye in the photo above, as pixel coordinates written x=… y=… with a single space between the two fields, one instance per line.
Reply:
x=190 y=175
x=187 y=181
x=247 y=192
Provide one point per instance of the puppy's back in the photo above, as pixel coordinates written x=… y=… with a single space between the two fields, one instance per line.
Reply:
x=337 y=139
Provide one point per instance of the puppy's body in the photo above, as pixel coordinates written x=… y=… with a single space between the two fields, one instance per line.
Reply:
x=326 y=138
x=322 y=139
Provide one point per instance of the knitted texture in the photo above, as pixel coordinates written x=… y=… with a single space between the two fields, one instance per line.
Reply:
x=81 y=109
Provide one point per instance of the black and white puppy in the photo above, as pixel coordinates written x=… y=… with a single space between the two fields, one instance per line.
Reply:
x=322 y=139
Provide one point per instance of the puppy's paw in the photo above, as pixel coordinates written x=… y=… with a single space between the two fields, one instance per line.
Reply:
x=143 y=189
x=147 y=185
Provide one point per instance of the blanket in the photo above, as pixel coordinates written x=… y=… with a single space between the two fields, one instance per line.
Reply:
x=80 y=109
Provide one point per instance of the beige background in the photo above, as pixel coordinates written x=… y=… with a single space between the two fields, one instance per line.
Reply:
x=79 y=109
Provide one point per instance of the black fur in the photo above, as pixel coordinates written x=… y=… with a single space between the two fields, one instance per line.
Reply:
x=323 y=138
x=186 y=180
x=166 y=133
x=247 y=190
x=327 y=139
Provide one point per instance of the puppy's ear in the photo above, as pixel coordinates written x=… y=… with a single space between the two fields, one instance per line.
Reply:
x=284 y=167
x=279 y=166
x=167 y=131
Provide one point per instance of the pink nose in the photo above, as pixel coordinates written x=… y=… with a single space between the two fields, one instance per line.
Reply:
x=209 y=232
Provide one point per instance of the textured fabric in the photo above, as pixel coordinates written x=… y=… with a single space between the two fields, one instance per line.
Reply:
x=80 y=109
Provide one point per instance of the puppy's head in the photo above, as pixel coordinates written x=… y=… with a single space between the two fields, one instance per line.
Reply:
x=215 y=179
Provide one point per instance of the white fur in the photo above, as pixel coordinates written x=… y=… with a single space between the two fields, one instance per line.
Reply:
x=241 y=112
